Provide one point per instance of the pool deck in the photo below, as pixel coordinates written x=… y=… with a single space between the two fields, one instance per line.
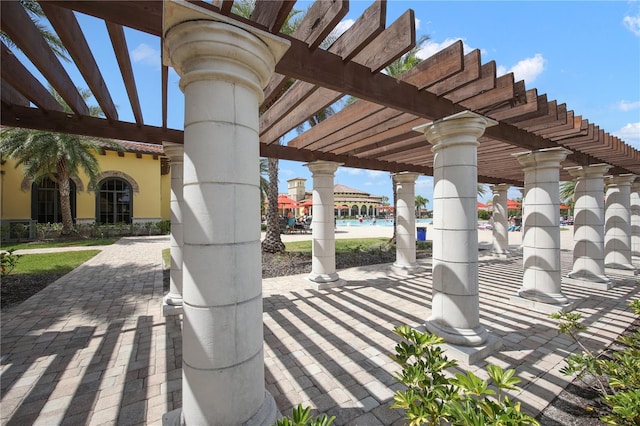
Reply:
x=93 y=348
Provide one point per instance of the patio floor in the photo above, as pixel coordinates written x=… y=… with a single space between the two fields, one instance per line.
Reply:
x=93 y=348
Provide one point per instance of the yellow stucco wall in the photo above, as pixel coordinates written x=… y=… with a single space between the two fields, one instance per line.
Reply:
x=151 y=200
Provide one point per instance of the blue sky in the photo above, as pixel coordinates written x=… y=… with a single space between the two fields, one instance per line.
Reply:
x=582 y=53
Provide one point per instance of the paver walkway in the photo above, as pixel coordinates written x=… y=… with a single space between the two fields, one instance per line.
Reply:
x=93 y=348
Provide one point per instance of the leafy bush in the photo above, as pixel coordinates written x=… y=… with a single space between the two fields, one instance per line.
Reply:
x=8 y=261
x=164 y=226
x=433 y=397
x=302 y=417
x=616 y=373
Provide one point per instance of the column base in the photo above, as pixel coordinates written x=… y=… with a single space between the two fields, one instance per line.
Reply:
x=635 y=260
x=501 y=255
x=266 y=415
x=585 y=282
x=458 y=336
x=411 y=269
x=325 y=281
x=171 y=305
x=543 y=307
x=470 y=354
x=626 y=270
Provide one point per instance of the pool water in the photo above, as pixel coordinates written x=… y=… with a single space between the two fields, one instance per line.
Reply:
x=378 y=222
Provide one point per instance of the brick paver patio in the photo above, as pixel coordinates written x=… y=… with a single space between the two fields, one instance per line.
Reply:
x=93 y=348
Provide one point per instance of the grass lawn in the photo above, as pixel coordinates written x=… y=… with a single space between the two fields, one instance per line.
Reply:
x=60 y=243
x=342 y=246
x=52 y=263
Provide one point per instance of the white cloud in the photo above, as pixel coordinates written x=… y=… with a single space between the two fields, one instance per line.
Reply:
x=342 y=27
x=630 y=134
x=350 y=171
x=431 y=47
x=146 y=55
x=375 y=174
x=628 y=106
x=417 y=24
x=632 y=23
x=527 y=69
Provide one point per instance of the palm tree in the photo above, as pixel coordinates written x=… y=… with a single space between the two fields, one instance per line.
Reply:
x=567 y=193
x=56 y=156
x=420 y=202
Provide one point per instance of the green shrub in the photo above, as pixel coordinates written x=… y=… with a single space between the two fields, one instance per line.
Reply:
x=8 y=261
x=616 y=373
x=164 y=226
x=302 y=417
x=432 y=397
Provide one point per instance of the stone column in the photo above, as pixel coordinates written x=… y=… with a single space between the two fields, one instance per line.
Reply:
x=223 y=68
x=323 y=261
x=588 y=227
x=172 y=302
x=617 y=216
x=541 y=283
x=634 y=201
x=405 y=223
x=455 y=312
x=500 y=220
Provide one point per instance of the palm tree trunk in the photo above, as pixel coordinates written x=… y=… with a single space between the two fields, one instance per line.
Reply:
x=272 y=242
x=65 y=200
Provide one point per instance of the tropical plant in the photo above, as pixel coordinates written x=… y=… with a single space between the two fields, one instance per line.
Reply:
x=420 y=202
x=8 y=261
x=432 y=396
x=37 y=15
x=302 y=417
x=567 y=193
x=56 y=156
x=615 y=373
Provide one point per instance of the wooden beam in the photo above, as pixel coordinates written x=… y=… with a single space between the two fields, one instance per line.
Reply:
x=470 y=72
x=225 y=8
x=11 y=96
x=503 y=93
x=487 y=81
x=70 y=33
x=437 y=67
x=116 y=33
x=316 y=24
x=16 y=75
x=23 y=32
x=145 y=16
x=164 y=85
x=272 y=13
x=54 y=121
x=364 y=30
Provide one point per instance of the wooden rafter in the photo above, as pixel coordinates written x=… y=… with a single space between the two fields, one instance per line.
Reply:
x=23 y=32
x=119 y=42
x=11 y=96
x=272 y=13
x=70 y=33
x=18 y=77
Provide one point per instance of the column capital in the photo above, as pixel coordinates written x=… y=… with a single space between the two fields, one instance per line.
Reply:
x=323 y=167
x=405 y=177
x=620 y=180
x=501 y=187
x=548 y=157
x=635 y=186
x=449 y=130
x=175 y=151
x=590 y=170
x=204 y=45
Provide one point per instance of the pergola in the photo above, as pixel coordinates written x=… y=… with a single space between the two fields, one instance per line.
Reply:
x=237 y=108
x=373 y=133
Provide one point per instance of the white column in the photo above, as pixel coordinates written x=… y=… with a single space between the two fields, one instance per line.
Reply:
x=617 y=238
x=455 y=312
x=500 y=220
x=323 y=251
x=634 y=201
x=405 y=223
x=588 y=226
x=172 y=302
x=541 y=283
x=223 y=69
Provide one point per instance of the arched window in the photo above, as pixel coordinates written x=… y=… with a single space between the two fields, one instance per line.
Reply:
x=363 y=210
x=45 y=201
x=114 y=201
x=371 y=211
x=354 y=210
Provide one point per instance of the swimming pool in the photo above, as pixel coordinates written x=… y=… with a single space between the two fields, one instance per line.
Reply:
x=378 y=222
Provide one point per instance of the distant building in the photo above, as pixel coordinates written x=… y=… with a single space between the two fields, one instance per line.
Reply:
x=347 y=201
